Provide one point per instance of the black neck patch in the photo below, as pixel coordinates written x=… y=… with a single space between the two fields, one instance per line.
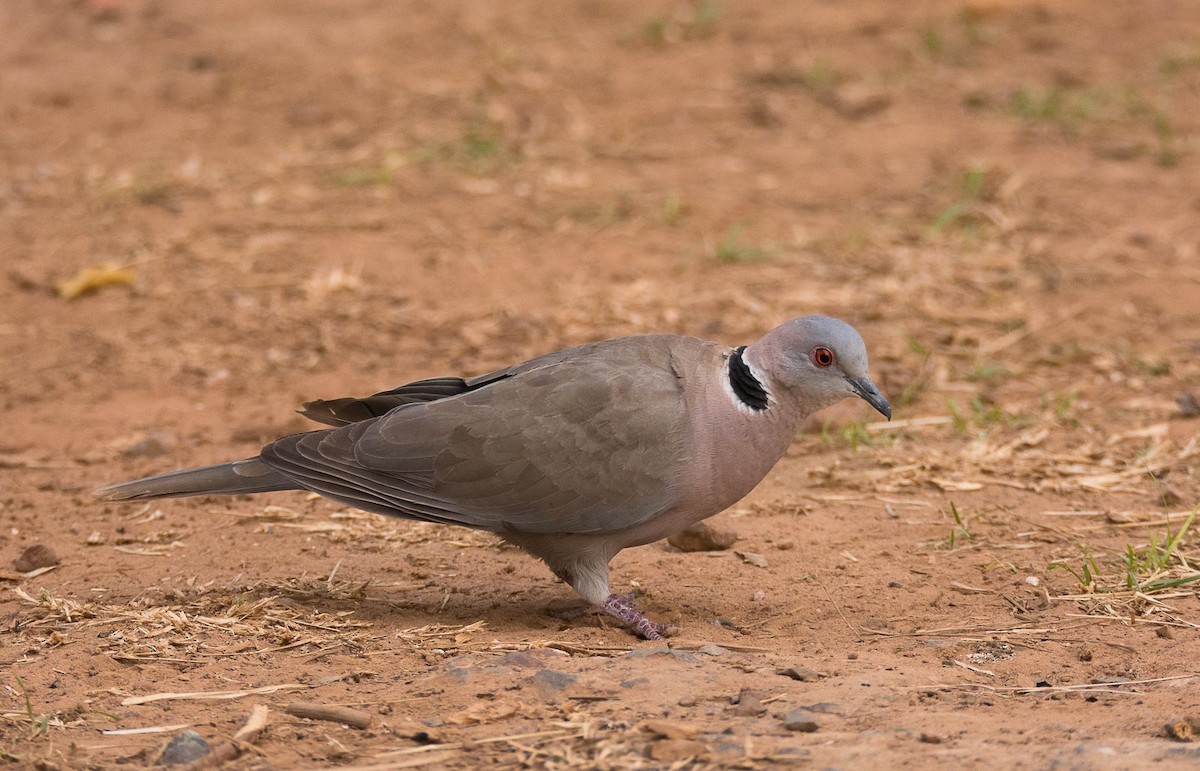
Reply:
x=745 y=385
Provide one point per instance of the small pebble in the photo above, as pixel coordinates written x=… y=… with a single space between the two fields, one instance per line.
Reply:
x=1183 y=728
x=803 y=674
x=39 y=555
x=711 y=650
x=801 y=720
x=521 y=660
x=749 y=703
x=187 y=746
x=549 y=680
x=702 y=537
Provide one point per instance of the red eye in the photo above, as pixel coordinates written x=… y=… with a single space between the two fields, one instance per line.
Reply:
x=822 y=357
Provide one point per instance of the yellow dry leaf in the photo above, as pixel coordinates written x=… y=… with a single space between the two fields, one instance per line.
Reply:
x=93 y=278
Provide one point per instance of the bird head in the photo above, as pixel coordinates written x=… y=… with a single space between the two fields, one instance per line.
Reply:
x=816 y=361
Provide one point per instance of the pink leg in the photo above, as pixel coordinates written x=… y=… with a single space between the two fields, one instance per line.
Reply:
x=621 y=607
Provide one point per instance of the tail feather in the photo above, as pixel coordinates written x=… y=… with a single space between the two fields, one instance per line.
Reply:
x=235 y=478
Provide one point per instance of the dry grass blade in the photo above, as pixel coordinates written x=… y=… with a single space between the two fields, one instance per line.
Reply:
x=555 y=733
x=254 y=725
x=971 y=632
x=443 y=756
x=269 y=514
x=1021 y=462
x=154 y=729
x=212 y=695
x=206 y=626
x=856 y=632
x=574 y=649
x=441 y=633
x=1116 y=686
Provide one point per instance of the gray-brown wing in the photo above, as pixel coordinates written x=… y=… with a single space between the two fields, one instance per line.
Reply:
x=341 y=412
x=585 y=441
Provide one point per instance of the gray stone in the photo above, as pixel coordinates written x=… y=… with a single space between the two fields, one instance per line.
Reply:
x=521 y=660
x=801 y=720
x=550 y=681
x=187 y=746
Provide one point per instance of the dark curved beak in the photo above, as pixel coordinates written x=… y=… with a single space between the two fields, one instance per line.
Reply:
x=869 y=393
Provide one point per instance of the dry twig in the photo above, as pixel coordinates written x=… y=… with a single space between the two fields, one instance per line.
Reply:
x=354 y=718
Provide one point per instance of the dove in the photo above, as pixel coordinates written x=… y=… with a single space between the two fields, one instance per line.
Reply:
x=573 y=455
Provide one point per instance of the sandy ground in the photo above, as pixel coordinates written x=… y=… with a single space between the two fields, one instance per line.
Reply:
x=298 y=200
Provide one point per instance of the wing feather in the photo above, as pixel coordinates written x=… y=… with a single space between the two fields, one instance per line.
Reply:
x=587 y=440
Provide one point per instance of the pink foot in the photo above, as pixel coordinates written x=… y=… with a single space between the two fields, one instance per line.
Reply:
x=621 y=607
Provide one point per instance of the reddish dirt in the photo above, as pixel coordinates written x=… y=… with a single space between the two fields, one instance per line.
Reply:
x=319 y=200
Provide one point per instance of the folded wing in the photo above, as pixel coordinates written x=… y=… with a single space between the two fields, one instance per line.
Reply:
x=589 y=440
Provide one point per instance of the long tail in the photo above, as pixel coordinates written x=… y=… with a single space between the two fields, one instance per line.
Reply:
x=235 y=478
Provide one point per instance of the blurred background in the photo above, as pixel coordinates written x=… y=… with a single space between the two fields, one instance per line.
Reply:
x=312 y=196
